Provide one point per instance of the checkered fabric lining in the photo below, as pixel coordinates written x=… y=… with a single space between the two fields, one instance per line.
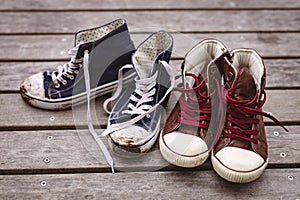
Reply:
x=153 y=46
x=96 y=33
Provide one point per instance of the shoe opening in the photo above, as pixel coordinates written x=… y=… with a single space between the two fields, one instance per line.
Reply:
x=249 y=58
x=94 y=34
x=199 y=57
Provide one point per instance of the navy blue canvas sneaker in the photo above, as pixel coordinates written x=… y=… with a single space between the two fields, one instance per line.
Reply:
x=109 y=48
x=134 y=122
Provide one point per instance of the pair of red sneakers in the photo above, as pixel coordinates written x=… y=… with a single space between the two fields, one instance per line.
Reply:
x=220 y=113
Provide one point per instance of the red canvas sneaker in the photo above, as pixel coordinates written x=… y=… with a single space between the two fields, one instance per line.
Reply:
x=196 y=121
x=241 y=154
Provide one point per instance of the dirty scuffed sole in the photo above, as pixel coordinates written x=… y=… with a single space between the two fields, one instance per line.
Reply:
x=68 y=102
x=128 y=151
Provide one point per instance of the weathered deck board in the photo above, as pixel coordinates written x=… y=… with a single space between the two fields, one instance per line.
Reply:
x=281 y=73
x=35 y=35
x=69 y=151
x=141 y=21
x=274 y=184
x=53 y=48
x=24 y=116
x=57 y=5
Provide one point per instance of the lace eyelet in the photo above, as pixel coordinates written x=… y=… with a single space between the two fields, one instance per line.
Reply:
x=71 y=77
x=148 y=116
x=229 y=77
x=64 y=82
x=57 y=85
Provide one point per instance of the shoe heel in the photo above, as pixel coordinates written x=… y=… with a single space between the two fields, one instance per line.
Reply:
x=165 y=102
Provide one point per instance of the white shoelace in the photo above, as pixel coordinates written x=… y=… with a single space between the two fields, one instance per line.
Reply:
x=89 y=118
x=144 y=88
x=68 y=70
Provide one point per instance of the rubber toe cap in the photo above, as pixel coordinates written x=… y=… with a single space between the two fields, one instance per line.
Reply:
x=184 y=144
x=239 y=159
x=33 y=86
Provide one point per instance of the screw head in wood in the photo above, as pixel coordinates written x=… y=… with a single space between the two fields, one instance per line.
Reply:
x=276 y=133
x=290 y=177
x=43 y=183
x=283 y=155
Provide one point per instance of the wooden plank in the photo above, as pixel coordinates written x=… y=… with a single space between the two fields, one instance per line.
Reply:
x=75 y=151
x=281 y=73
x=23 y=116
x=38 y=5
x=280 y=142
x=68 y=151
x=53 y=48
x=41 y=119
x=274 y=184
x=141 y=21
x=283 y=105
x=12 y=74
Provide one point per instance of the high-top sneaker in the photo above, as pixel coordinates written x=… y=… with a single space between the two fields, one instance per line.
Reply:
x=196 y=121
x=109 y=47
x=241 y=154
x=134 y=122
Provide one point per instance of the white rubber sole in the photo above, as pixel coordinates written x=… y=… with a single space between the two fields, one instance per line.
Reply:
x=237 y=176
x=180 y=160
x=68 y=102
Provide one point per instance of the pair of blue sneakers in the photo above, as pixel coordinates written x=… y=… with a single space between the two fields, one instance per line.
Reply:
x=102 y=59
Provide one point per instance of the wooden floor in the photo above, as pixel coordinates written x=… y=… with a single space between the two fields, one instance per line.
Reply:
x=35 y=35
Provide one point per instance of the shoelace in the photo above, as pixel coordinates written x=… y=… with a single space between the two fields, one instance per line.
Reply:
x=197 y=111
x=89 y=118
x=68 y=70
x=240 y=115
x=145 y=89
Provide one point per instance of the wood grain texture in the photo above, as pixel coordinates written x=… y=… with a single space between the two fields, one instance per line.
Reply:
x=21 y=115
x=38 y=5
x=274 y=184
x=24 y=116
x=141 y=21
x=281 y=73
x=35 y=36
x=75 y=151
x=55 y=48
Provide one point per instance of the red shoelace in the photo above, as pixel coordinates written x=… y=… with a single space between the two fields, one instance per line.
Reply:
x=240 y=114
x=194 y=111
x=196 y=106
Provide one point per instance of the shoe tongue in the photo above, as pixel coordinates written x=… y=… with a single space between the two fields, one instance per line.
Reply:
x=245 y=88
x=144 y=69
